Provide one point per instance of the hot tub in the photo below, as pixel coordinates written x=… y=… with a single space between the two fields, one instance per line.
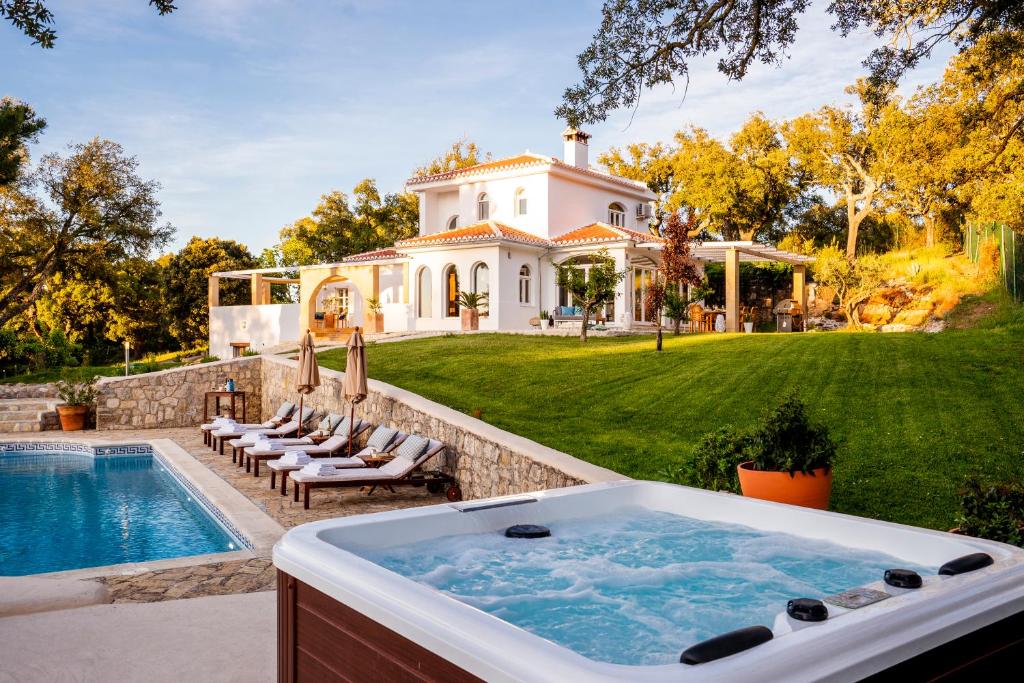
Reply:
x=630 y=568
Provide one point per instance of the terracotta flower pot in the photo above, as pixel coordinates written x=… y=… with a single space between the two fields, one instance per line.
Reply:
x=72 y=418
x=374 y=323
x=808 y=490
x=470 y=319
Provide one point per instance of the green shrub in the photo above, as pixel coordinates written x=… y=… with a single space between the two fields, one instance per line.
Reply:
x=208 y=359
x=787 y=441
x=78 y=392
x=715 y=459
x=992 y=510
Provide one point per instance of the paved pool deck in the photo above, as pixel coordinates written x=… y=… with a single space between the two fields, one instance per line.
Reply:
x=213 y=639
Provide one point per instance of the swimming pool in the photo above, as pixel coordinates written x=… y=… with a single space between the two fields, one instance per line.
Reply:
x=642 y=581
x=71 y=506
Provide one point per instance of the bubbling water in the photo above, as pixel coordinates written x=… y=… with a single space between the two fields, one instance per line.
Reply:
x=636 y=587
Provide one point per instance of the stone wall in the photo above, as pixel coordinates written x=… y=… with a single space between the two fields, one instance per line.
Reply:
x=174 y=398
x=487 y=461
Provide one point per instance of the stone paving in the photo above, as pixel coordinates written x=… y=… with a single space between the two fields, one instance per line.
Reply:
x=244 y=576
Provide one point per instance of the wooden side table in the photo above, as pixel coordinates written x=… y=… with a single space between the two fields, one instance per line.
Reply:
x=217 y=396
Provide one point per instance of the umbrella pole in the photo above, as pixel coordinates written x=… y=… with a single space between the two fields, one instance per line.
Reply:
x=351 y=420
x=300 y=415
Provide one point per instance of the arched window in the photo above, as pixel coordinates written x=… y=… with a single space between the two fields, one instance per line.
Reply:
x=453 y=222
x=524 y=285
x=483 y=207
x=423 y=300
x=451 y=292
x=617 y=215
x=520 y=202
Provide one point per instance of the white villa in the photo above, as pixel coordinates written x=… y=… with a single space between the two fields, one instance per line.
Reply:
x=499 y=227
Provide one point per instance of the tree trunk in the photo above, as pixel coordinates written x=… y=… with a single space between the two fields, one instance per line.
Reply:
x=675 y=330
x=583 y=328
x=659 y=337
x=929 y=231
x=853 y=224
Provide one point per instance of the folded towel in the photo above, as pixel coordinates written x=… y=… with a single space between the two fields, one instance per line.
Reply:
x=248 y=439
x=296 y=458
x=262 y=443
x=318 y=469
x=225 y=431
x=223 y=421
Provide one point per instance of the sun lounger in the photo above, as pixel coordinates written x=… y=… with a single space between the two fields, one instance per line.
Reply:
x=287 y=429
x=401 y=471
x=337 y=441
x=279 y=418
x=327 y=426
x=383 y=441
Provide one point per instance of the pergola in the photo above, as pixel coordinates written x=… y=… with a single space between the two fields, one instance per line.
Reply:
x=260 y=280
x=732 y=253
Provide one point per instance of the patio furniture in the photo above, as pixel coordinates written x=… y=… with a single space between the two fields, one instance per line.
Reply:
x=326 y=428
x=282 y=414
x=287 y=429
x=401 y=471
x=567 y=314
x=332 y=446
x=382 y=442
x=217 y=396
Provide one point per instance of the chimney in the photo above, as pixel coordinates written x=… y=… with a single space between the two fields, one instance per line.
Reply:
x=576 y=147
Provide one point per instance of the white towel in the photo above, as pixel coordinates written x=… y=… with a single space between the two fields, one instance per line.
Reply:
x=224 y=421
x=318 y=469
x=262 y=443
x=296 y=458
x=225 y=431
x=248 y=439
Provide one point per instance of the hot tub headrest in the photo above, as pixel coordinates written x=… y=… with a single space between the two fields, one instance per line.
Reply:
x=726 y=644
x=967 y=563
x=902 y=578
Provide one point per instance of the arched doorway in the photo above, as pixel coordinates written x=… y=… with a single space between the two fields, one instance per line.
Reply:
x=334 y=305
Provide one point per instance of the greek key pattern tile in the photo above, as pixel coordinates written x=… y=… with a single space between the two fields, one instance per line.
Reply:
x=44 y=447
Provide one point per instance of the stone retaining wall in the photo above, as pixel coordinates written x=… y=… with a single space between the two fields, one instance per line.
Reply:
x=487 y=461
x=174 y=398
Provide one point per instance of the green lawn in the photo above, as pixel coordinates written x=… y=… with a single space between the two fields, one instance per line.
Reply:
x=913 y=413
x=81 y=373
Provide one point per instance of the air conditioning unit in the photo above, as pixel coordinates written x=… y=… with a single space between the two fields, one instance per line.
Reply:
x=643 y=211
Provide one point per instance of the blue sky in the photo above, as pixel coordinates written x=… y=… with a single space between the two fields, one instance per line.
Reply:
x=246 y=111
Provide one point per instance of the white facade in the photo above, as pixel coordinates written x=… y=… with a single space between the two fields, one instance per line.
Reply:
x=261 y=326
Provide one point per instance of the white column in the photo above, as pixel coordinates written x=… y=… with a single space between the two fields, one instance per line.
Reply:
x=623 y=312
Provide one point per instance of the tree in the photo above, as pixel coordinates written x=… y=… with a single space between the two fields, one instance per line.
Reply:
x=653 y=164
x=19 y=126
x=185 y=285
x=592 y=289
x=846 y=151
x=644 y=43
x=462 y=154
x=676 y=270
x=93 y=205
x=854 y=281
x=35 y=20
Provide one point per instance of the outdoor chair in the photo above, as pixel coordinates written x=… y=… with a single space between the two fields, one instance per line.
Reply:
x=325 y=428
x=287 y=429
x=334 y=444
x=283 y=413
x=382 y=442
x=401 y=471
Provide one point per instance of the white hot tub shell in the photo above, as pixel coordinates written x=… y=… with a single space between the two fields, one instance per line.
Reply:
x=850 y=645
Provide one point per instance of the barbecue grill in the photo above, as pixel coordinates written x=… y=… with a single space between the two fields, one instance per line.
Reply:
x=789 y=316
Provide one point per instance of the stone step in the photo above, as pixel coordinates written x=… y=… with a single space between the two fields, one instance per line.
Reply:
x=21 y=426
x=17 y=405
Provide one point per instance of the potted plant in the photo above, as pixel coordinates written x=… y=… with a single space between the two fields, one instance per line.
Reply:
x=545 y=319
x=78 y=397
x=470 y=304
x=375 y=318
x=790 y=458
x=748 y=321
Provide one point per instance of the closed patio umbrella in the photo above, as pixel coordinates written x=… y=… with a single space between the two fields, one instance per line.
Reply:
x=308 y=378
x=354 y=386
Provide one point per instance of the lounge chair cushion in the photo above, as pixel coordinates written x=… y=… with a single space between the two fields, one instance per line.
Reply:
x=413 y=447
x=381 y=437
x=398 y=467
x=329 y=423
x=341 y=429
x=307 y=413
x=286 y=409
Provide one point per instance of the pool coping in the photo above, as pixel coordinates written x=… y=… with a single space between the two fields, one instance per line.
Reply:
x=248 y=520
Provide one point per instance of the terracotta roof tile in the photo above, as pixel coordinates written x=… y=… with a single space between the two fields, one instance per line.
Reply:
x=372 y=255
x=603 y=232
x=483 y=231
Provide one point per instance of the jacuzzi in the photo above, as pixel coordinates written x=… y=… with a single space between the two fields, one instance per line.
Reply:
x=345 y=617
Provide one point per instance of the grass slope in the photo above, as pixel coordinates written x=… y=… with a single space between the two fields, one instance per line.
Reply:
x=913 y=412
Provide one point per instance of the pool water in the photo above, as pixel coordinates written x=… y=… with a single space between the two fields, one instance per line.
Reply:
x=72 y=510
x=636 y=587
